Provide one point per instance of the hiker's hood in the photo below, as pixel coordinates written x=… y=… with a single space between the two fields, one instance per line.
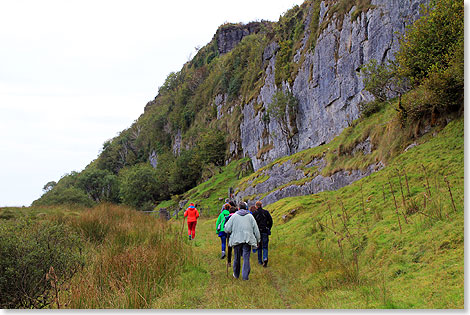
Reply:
x=242 y=212
x=225 y=212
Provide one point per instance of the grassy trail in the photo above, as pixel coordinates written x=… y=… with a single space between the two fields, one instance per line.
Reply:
x=211 y=285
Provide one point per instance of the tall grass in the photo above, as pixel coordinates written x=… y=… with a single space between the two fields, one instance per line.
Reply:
x=131 y=258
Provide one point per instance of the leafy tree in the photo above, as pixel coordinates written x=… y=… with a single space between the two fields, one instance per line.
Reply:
x=431 y=39
x=283 y=108
x=185 y=173
x=100 y=185
x=212 y=147
x=50 y=185
x=139 y=185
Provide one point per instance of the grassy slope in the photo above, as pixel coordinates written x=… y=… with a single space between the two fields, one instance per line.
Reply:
x=207 y=194
x=420 y=267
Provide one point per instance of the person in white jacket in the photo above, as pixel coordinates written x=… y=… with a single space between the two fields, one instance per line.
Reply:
x=244 y=234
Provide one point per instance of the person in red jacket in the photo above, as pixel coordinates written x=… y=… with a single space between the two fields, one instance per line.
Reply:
x=192 y=215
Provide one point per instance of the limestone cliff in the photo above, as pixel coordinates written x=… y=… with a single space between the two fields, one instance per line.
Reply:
x=328 y=85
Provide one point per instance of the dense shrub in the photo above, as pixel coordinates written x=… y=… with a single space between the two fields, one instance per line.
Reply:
x=186 y=172
x=28 y=251
x=61 y=195
x=139 y=185
x=283 y=108
x=211 y=148
x=100 y=185
x=430 y=41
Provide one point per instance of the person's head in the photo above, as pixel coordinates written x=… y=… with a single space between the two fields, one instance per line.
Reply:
x=191 y=205
x=232 y=209
x=253 y=209
x=242 y=206
x=226 y=206
x=258 y=204
x=227 y=200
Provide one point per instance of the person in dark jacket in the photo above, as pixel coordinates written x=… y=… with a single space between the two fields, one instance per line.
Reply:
x=265 y=223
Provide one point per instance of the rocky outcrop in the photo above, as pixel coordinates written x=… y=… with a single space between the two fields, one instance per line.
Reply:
x=177 y=143
x=228 y=36
x=288 y=179
x=328 y=86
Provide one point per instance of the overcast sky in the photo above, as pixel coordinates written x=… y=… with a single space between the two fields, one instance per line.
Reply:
x=73 y=74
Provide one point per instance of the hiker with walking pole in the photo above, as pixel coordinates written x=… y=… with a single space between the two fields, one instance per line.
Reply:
x=192 y=215
x=232 y=210
x=244 y=234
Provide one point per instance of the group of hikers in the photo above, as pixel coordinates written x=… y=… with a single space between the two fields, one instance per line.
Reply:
x=241 y=229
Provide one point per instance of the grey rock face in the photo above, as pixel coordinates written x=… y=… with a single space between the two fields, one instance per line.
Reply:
x=319 y=183
x=328 y=85
x=287 y=172
x=229 y=36
x=177 y=143
x=153 y=159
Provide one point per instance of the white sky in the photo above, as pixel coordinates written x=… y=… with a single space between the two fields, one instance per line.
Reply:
x=73 y=74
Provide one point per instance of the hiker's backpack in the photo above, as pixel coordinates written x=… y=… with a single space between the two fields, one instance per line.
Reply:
x=225 y=220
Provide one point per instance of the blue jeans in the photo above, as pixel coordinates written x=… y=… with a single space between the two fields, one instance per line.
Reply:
x=263 y=248
x=240 y=250
x=223 y=239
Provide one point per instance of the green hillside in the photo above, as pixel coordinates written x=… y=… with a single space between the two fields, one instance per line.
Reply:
x=392 y=239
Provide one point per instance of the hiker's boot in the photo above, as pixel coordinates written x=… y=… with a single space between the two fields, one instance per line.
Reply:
x=265 y=263
x=223 y=255
x=190 y=237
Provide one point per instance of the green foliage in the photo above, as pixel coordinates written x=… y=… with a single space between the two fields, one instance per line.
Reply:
x=366 y=109
x=283 y=62
x=62 y=195
x=341 y=8
x=100 y=185
x=185 y=173
x=432 y=40
x=381 y=80
x=171 y=83
x=431 y=58
x=283 y=108
x=212 y=147
x=35 y=257
x=139 y=186
x=50 y=185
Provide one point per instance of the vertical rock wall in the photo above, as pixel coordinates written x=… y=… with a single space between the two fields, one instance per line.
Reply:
x=328 y=85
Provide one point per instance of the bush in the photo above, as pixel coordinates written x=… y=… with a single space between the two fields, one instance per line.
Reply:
x=438 y=33
x=185 y=173
x=139 y=185
x=61 y=195
x=366 y=109
x=28 y=251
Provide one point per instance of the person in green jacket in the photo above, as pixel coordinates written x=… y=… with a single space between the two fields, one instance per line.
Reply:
x=219 y=225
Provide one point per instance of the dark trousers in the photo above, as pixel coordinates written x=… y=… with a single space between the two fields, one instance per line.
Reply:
x=229 y=254
x=263 y=248
x=239 y=251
